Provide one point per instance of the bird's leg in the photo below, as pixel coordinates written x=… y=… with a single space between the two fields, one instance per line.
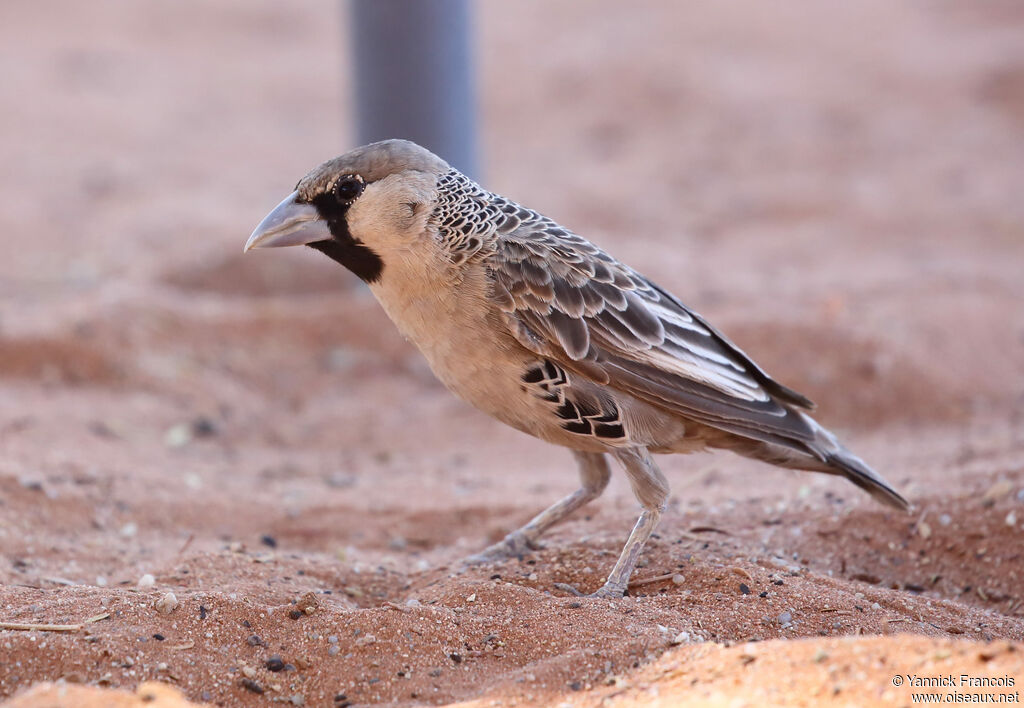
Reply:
x=651 y=489
x=594 y=475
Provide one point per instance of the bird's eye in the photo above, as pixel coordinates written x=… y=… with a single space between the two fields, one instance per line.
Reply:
x=347 y=188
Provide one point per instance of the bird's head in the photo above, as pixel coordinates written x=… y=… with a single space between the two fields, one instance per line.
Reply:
x=358 y=208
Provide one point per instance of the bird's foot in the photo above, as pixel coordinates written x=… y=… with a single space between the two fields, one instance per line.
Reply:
x=515 y=545
x=608 y=590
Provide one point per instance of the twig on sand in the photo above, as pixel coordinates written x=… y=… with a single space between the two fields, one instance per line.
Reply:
x=30 y=627
x=709 y=529
x=188 y=542
x=648 y=581
x=35 y=627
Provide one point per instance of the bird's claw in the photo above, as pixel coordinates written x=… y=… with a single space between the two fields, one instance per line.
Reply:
x=607 y=591
x=515 y=545
x=611 y=591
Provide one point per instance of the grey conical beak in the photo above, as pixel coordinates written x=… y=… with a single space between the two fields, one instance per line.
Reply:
x=291 y=223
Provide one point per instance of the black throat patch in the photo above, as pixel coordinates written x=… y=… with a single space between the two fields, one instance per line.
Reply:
x=345 y=248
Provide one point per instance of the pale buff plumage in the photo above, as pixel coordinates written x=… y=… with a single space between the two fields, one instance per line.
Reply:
x=547 y=333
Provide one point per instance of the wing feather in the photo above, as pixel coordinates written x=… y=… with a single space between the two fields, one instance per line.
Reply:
x=569 y=298
x=572 y=333
x=572 y=301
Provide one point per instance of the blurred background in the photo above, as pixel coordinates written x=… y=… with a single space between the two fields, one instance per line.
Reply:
x=864 y=162
x=836 y=185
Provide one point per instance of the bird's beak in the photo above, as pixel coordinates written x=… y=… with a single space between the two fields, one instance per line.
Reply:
x=292 y=223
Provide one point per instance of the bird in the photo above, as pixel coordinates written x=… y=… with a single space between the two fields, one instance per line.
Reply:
x=538 y=327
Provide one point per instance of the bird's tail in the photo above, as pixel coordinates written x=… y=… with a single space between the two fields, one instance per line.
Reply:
x=857 y=471
x=841 y=461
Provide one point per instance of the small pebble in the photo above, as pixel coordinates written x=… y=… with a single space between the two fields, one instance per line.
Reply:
x=456 y=657
x=295 y=614
x=996 y=492
x=268 y=540
x=678 y=579
x=147 y=581
x=1011 y=519
x=202 y=612
x=297 y=700
x=333 y=650
x=275 y=663
x=786 y=617
x=255 y=641
x=178 y=436
x=340 y=481
x=250 y=685
x=744 y=589
x=159 y=637
x=203 y=427
x=167 y=604
x=30 y=483
x=307 y=603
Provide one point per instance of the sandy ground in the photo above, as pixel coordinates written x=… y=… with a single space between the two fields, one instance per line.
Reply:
x=836 y=185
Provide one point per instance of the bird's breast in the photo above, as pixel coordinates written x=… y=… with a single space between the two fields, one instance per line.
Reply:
x=453 y=323
x=463 y=337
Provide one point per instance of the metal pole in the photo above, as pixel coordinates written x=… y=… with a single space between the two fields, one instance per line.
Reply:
x=413 y=76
